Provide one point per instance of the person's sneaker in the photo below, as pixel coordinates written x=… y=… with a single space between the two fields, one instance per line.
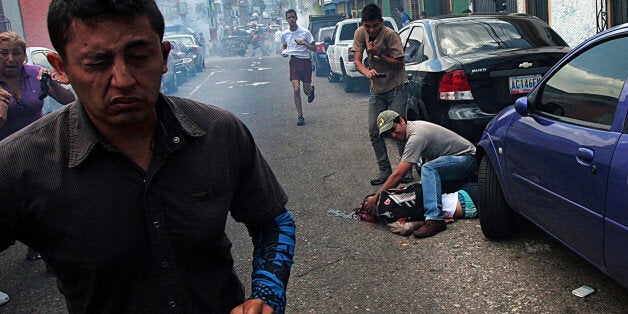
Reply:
x=383 y=176
x=430 y=228
x=310 y=98
x=301 y=121
x=405 y=228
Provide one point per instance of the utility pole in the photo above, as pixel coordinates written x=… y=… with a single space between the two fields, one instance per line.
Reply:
x=5 y=24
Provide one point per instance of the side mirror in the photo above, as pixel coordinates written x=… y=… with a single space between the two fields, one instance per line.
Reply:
x=327 y=40
x=521 y=106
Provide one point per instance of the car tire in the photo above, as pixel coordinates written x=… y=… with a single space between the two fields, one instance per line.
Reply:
x=349 y=83
x=333 y=77
x=497 y=219
x=192 y=72
x=320 y=70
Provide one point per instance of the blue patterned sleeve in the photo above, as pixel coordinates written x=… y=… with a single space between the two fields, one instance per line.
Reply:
x=272 y=260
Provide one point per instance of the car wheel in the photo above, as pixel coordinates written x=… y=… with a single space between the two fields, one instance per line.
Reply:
x=349 y=83
x=497 y=219
x=320 y=70
x=173 y=87
x=333 y=77
x=192 y=72
x=182 y=77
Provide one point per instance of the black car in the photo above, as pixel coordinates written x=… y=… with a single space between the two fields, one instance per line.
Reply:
x=320 y=64
x=465 y=69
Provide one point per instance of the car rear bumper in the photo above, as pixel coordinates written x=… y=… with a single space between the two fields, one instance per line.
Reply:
x=468 y=120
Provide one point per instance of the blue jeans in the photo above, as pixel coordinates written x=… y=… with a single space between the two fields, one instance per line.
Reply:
x=445 y=168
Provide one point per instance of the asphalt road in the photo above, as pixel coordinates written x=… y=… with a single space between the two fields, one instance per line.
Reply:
x=347 y=266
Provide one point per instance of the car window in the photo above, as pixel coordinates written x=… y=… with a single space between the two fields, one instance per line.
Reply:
x=489 y=35
x=348 y=30
x=325 y=32
x=586 y=90
x=39 y=58
x=413 y=49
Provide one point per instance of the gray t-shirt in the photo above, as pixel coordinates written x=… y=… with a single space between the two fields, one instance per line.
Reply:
x=430 y=141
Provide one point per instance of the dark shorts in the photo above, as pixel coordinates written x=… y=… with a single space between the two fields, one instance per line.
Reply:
x=300 y=69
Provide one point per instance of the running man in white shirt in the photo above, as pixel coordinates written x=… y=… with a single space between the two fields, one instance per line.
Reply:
x=297 y=42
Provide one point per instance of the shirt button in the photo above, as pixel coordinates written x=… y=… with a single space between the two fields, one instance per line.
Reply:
x=176 y=140
x=156 y=224
x=172 y=303
x=164 y=264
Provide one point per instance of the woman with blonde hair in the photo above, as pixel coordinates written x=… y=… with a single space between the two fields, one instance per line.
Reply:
x=21 y=86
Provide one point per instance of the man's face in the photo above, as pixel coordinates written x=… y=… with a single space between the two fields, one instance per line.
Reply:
x=373 y=27
x=398 y=132
x=115 y=67
x=292 y=19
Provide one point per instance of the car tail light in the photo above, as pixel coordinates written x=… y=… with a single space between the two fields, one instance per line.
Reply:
x=454 y=86
x=351 y=54
x=320 y=47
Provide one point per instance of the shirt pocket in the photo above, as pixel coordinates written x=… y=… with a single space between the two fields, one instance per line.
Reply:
x=205 y=211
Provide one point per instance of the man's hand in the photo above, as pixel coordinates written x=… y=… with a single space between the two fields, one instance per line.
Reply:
x=371 y=74
x=372 y=47
x=254 y=306
x=370 y=201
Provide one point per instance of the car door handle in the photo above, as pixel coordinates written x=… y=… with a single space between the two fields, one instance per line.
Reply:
x=585 y=156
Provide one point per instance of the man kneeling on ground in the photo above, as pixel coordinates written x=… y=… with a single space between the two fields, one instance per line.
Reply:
x=448 y=156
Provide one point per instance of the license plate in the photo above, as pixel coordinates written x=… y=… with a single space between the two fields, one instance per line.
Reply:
x=523 y=84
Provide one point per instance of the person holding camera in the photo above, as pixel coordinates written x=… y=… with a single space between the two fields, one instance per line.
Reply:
x=21 y=86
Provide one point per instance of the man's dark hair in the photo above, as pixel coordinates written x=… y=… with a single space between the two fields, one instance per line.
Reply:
x=62 y=13
x=400 y=8
x=371 y=12
x=291 y=10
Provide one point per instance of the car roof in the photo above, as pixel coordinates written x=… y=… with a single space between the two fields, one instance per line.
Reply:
x=474 y=16
x=178 y=35
x=37 y=48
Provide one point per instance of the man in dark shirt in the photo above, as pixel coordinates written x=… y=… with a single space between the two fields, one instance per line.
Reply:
x=126 y=192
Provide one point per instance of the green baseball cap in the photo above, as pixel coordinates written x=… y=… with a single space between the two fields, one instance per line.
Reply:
x=385 y=120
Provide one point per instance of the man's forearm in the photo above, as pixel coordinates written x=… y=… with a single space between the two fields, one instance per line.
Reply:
x=272 y=260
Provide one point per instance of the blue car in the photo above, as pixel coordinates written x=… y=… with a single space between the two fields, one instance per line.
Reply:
x=559 y=157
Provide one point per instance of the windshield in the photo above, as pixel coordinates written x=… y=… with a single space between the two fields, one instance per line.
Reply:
x=489 y=35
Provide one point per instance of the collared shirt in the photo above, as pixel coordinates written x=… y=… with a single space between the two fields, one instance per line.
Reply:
x=27 y=109
x=390 y=45
x=430 y=141
x=120 y=239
